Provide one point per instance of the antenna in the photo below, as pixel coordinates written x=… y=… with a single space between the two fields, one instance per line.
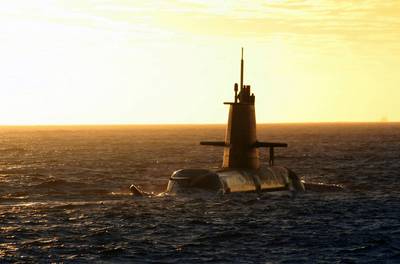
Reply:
x=241 y=72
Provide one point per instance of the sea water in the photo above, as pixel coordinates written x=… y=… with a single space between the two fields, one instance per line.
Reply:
x=64 y=197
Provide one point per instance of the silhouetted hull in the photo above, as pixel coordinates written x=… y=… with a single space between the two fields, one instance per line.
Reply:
x=265 y=179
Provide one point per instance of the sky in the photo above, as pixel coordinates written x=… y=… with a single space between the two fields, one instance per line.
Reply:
x=176 y=61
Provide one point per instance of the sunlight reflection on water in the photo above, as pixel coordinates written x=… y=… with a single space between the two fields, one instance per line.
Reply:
x=66 y=197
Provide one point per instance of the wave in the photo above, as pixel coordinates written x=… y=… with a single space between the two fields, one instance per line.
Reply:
x=58 y=186
x=53 y=183
x=12 y=149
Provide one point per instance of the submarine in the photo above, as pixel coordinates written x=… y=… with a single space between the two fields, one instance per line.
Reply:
x=242 y=169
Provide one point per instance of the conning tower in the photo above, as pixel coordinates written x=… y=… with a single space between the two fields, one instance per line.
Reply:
x=241 y=130
x=241 y=145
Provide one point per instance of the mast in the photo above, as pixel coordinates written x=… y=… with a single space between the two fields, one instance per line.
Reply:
x=241 y=72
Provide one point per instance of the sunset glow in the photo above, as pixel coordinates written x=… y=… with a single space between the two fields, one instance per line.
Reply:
x=175 y=61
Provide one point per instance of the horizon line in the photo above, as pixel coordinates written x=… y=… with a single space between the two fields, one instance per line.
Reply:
x=193 y=124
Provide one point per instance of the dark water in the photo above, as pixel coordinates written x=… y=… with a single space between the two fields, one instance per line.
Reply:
x=64 y=197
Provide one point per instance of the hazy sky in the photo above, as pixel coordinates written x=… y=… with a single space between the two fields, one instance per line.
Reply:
x=175 y=61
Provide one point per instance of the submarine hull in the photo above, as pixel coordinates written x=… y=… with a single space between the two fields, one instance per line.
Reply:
x=241 y=169
x=264 y=179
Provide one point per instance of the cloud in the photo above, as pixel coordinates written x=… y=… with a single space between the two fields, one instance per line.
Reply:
x=367 y=22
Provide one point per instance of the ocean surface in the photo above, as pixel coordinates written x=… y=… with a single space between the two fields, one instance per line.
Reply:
x=64 y=197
